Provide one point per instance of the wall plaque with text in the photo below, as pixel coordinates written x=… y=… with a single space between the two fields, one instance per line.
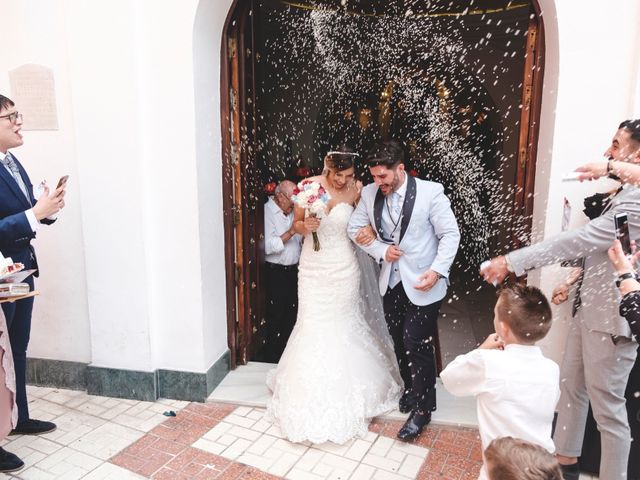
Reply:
x=33 y=91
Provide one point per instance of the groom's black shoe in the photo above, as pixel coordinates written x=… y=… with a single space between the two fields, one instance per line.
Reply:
x=414 y=425
x=407 y=403
x=9 y=462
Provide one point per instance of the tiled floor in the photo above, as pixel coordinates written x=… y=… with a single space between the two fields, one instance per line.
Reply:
x=237 y=443
x=100 y=438
x=90 y=431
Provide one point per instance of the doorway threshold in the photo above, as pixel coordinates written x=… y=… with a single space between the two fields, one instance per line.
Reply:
x=246 y=386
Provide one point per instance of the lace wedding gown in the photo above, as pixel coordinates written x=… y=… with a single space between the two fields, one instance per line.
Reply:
x=336 y=373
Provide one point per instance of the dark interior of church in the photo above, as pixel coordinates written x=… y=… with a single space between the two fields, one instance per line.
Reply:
x=445 y=78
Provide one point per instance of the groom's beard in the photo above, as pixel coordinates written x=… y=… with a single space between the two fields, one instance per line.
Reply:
x=390 y=187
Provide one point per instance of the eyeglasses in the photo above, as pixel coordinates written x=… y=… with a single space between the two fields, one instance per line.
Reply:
x=14 y=117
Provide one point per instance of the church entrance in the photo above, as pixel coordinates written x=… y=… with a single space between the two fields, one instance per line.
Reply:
x=459 y=82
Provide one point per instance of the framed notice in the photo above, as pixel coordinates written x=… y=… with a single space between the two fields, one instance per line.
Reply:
x=33 y=91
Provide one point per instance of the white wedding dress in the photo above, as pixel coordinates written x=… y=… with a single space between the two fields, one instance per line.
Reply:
x=337 y=372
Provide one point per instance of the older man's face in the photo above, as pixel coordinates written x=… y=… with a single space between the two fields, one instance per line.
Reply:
x=283 y=199
x=10 y=125
x=623 y=148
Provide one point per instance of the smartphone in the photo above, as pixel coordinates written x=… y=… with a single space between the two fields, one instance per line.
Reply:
x=622 y=232
x=62 y=181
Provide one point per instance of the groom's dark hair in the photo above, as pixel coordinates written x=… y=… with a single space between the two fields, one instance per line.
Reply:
x=388 y=154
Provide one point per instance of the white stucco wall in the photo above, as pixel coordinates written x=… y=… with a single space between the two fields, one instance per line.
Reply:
x=207 y=44
x=60 y=321
x=133 y=273
x=145 y=292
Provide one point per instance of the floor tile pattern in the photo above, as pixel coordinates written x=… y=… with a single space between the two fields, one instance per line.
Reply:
x=219 y=441
x=91 y=430
x=100 y=438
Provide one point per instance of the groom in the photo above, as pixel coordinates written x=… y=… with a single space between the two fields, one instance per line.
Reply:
x=416 y=238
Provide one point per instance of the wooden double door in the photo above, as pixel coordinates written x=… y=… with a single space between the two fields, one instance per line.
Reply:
x=278 y=118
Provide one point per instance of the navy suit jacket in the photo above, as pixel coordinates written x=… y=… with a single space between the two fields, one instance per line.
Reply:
x=15 y=232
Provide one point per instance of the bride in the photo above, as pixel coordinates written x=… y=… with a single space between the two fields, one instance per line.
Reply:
x=339 y=369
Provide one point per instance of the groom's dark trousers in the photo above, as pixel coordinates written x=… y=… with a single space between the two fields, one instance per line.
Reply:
x=413 y=329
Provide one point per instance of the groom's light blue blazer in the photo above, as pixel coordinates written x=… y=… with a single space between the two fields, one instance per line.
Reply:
x=429 y=236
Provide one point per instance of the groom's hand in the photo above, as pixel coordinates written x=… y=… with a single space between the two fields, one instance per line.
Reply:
x=392 y=254
x=365 y=236
x=427 y=280
x=496 y=271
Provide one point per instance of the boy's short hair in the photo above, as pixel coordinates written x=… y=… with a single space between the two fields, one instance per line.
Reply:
x=526 y=310
x=510 y=458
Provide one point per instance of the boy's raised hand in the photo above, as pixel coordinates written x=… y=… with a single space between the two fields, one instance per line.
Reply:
x=493 y=342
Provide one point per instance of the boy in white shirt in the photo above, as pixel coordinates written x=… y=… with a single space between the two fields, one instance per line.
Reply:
x=517 y=388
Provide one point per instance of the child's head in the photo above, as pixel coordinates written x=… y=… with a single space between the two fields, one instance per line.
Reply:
x=522 y=313
x=514 y=459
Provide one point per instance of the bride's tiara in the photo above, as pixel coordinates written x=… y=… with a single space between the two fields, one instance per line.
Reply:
x=354 y=154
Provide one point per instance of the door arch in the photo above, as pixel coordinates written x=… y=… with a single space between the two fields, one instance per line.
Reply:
x=242 y=108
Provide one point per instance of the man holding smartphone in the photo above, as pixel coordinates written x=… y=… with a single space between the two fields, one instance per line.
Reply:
x=600 y=375
x=20 y=217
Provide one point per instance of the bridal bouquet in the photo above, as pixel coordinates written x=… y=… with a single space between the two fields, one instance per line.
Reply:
x=313 y=198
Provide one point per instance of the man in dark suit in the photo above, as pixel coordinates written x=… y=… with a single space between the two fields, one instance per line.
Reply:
x=20 y=217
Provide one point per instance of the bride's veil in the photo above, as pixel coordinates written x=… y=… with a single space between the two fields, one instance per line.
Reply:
x=372 y=310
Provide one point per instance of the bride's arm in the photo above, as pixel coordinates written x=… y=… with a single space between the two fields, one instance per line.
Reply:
x=298 y=221
x=304 y=226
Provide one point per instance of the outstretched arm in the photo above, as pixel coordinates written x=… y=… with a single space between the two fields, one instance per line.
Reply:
x=625 y=171
x=595 y=236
